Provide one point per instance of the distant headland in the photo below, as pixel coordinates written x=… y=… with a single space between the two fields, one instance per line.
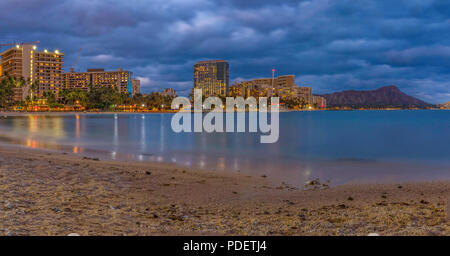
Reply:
x=384 y=97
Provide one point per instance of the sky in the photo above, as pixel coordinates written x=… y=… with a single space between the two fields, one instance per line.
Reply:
x=329 y=45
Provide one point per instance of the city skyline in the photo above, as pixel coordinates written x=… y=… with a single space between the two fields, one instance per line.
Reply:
x=348 y=45
x=247 y=119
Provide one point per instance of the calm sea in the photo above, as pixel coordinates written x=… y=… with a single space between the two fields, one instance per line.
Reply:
x=341 y=146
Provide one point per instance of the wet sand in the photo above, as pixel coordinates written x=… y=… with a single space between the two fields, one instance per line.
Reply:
x=43 y=193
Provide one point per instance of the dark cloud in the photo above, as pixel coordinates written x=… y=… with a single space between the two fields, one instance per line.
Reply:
x=329 y=45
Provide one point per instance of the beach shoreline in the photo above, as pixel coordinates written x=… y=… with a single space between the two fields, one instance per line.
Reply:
x=19 y=113
x=55 y=193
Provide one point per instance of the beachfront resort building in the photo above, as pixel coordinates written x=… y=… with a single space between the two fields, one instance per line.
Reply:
x=213 y=77
x=282 y=86
x=43 y=69
x=119 y=79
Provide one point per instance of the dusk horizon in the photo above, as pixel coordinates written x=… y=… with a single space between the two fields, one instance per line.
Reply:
x=329 y=46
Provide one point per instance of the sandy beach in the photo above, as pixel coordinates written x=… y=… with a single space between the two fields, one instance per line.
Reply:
x=48 y=193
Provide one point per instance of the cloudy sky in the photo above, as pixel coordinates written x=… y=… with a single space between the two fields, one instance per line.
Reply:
x=331 y=45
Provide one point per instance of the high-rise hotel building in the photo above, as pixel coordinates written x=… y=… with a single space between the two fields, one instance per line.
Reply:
x=213 y=77
x=43 y=69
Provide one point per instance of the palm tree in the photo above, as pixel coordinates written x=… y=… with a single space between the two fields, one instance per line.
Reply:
x=50 y=96
x=7 y=84
x=32 y=91
x=72 y=97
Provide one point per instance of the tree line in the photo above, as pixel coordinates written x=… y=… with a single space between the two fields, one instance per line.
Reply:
x=100 y=98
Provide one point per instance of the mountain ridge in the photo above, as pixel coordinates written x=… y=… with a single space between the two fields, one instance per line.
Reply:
x=386 y=96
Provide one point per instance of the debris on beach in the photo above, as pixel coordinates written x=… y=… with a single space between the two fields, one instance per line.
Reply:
x=91 y=158
x=315 y=184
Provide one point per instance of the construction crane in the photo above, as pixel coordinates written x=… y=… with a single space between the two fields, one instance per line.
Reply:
x=72 y=69
x=22 y=43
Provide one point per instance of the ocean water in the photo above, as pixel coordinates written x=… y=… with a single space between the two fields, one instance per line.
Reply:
x=340 y=146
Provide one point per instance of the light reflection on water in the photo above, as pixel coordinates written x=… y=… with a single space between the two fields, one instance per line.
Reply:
x=369 y=146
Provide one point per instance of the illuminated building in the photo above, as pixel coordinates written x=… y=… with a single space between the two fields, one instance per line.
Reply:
x=47 y=71
x=120 y=80
x=304 y=93
x=76 y=80
x=243 y=89
x=282 y=86
x=213 y=77
x=285 y=81
x=43 y=69
x=236 y=90
x=13 y=62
